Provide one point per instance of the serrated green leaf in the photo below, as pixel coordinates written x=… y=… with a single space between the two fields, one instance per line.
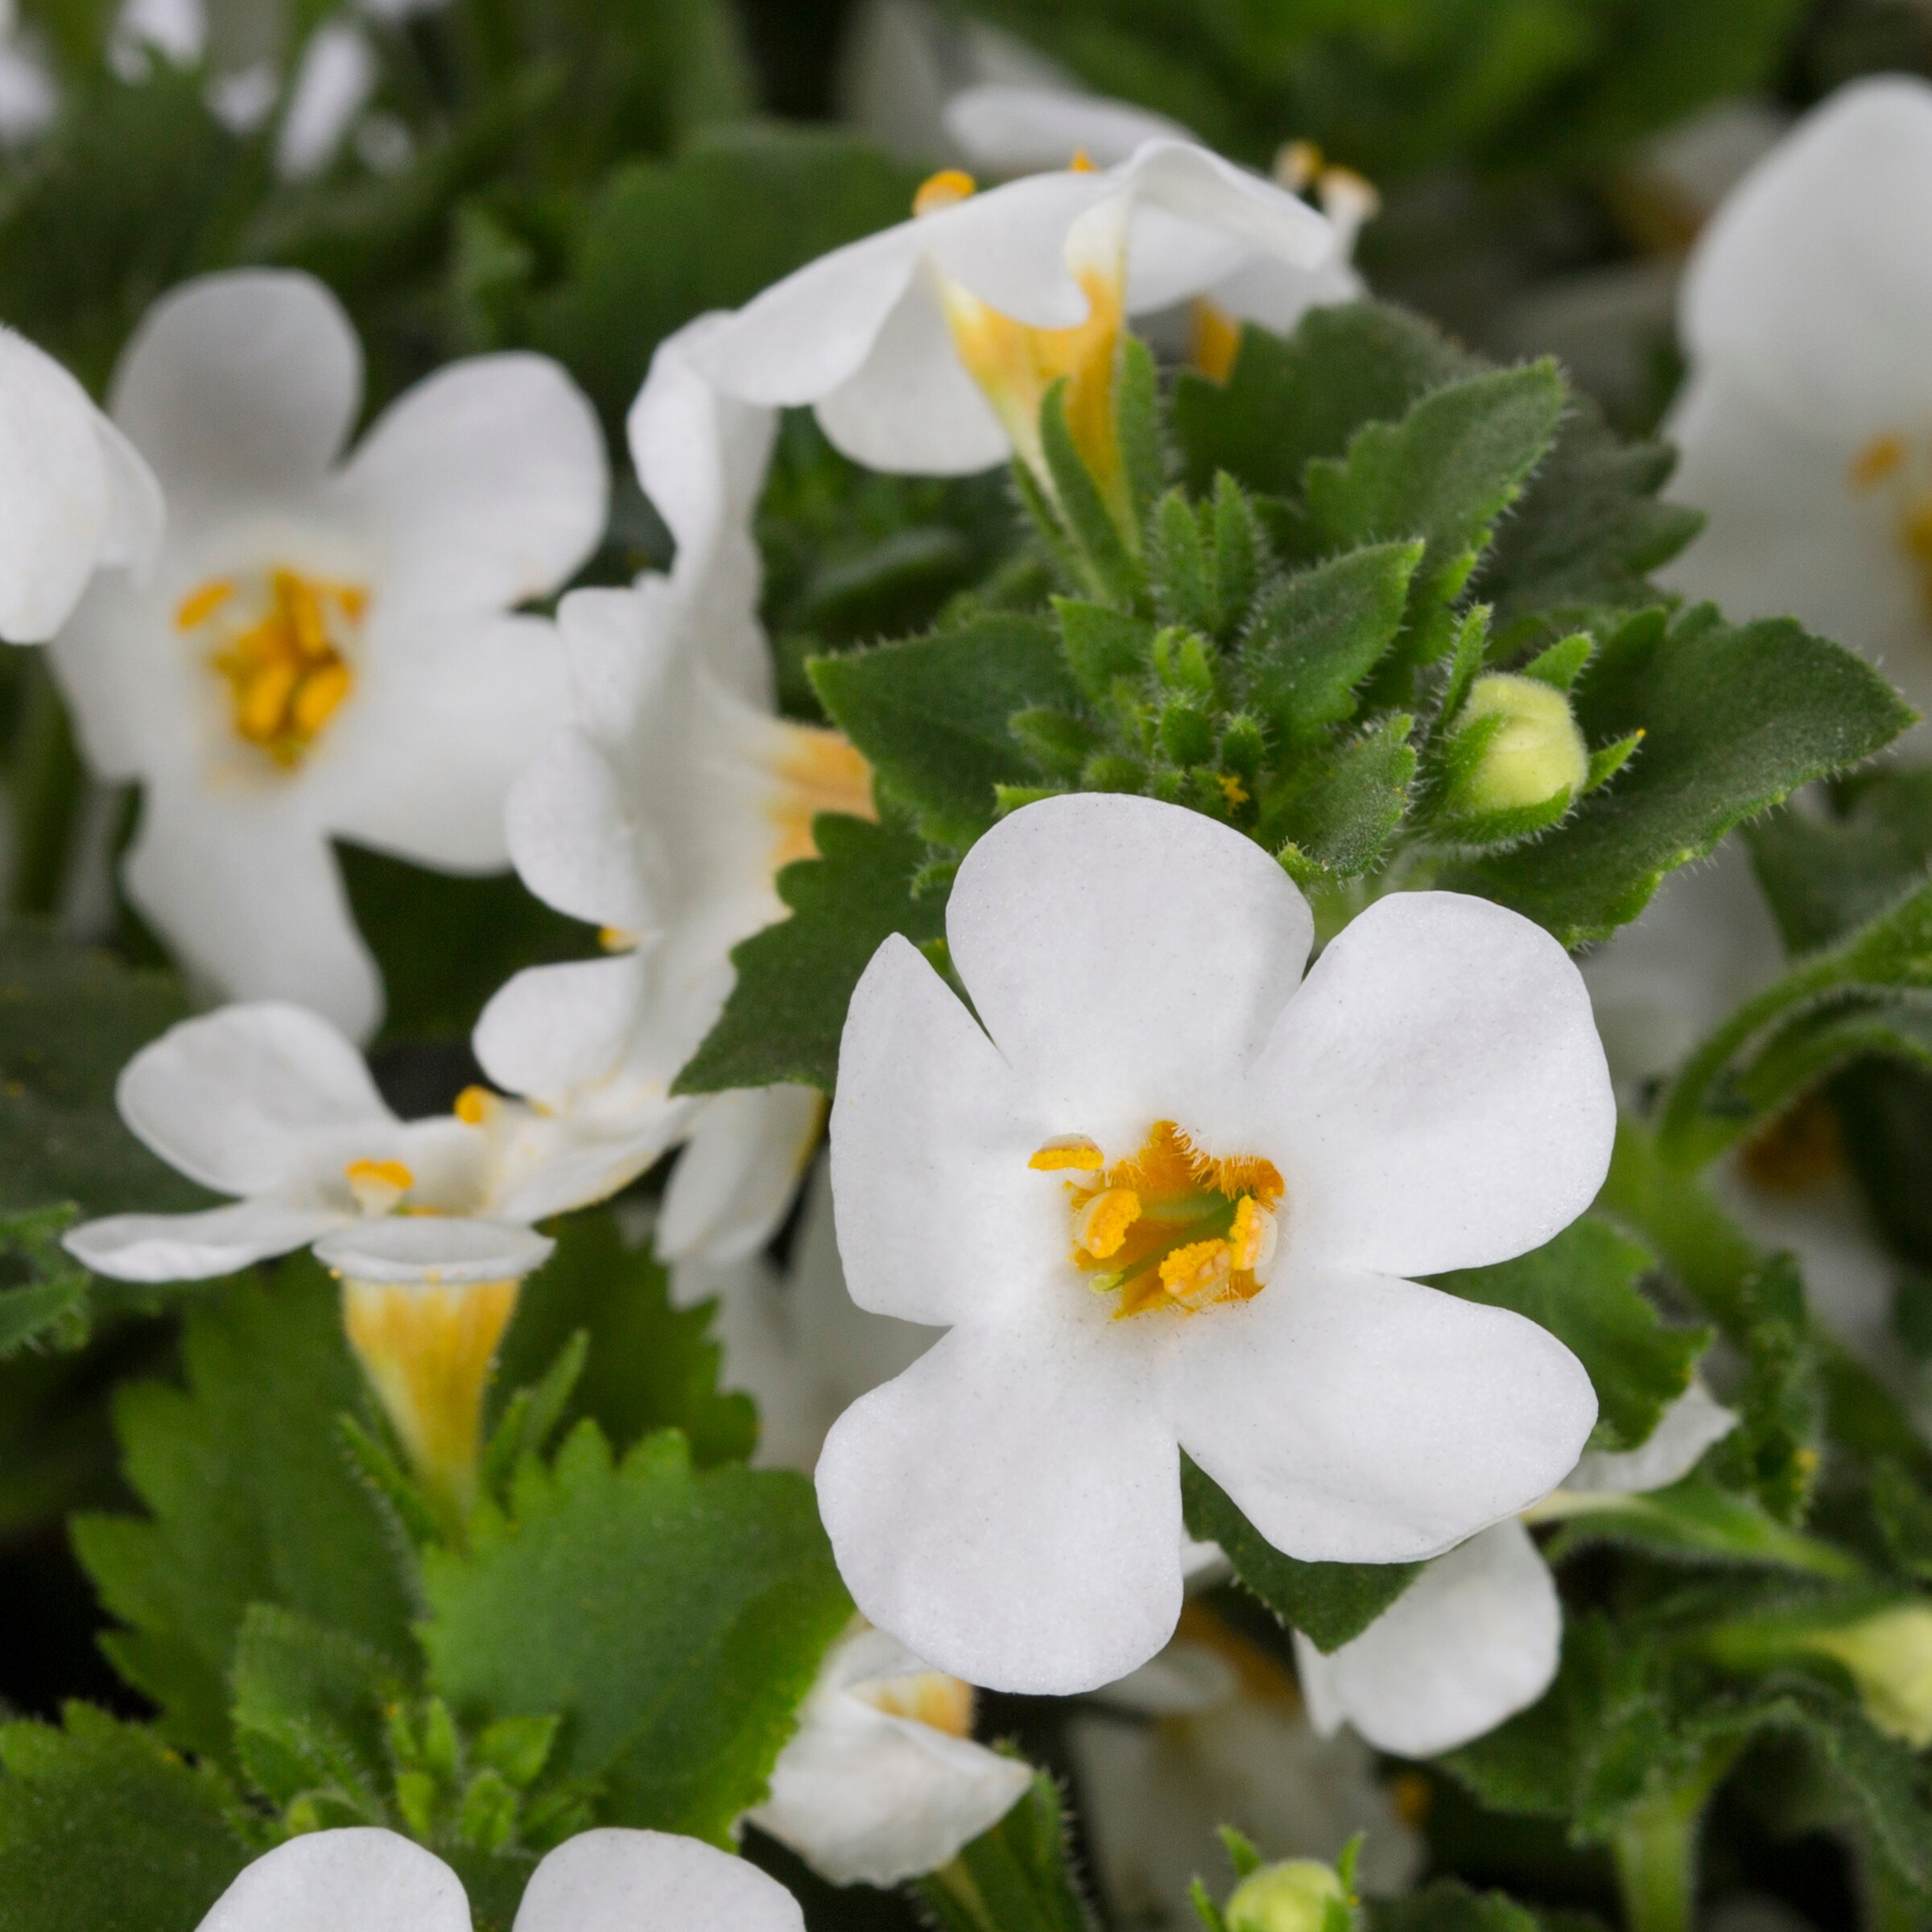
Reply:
x=1328 y=1602
x=674 y=1620
x=53 y=1299
x=1336 y=820
x=1734 y=718
x=931 y=714
x=1018 y=1875
x=1448 y=1905
x=1692 y=1520
x=102 y=1827
x=1101 y=644
x=251 y=1499
x=794 y=980
x=1775 y=1449
x=1583 y=1287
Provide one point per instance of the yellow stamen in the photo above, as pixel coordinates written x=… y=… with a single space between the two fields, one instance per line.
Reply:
x=949 y=186
x=929 y=1697
x=1214 y=339
x=1251 y=1239
x=614 y=939
x=199 y=605
x=378 y=1185
x=1101 y=1226
x=474 y=1105
x=316 y=697
x=1197 y=1269
x=1296 y=164
x=1232 y=790
x=1882 y=457
x=1082 y=163
x=818 y=770
x=1068 y=1150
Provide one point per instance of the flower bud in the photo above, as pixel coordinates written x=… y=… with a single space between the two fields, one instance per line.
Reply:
x=1300 y=1895
x=1890 y=1656
x=1532 y=755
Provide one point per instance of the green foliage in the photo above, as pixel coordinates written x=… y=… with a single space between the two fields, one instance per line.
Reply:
x=1017 y=1877
x=1449 y=1906
x=673 y=1620
x=50 y=1303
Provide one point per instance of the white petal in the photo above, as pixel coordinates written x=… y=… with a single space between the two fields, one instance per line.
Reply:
x=486 y=484
x=29 y=99
x=1277 y=295
x=447 y=712
x=1023 y=130
x=433 y=1248
x=138 y=712
x=1187 y=1678
x=240 y=386
x=196 y=1247
x=1359 y=1419
x=567 y=823
x=614 y=1881
x=1128 y=958
x=939 y=1219
x=1009 y=1508
x=331 y=1881
x=910 y=407
x=1186 y=180
x=248 y=899
x=1473 y=1640
x=240 y=1099
x=552 y=1030
x=1009 y=245
x=739 y=1171
x=865 y=1797
x=138 y=513
x=1435 y=1095
x=334 y=80
x=1673 y=1449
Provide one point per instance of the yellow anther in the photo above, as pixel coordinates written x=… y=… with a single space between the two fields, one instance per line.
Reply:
x=317 y=696
x=614 y=939
x=474 y=1105
x=1232 y=790
x=261 y=697
x=1101 y=1225
x=1068 y=1150
x=1082 y=163
x=201 y=604
x=1881 y=458
x=377 y=1186
x=1348 y=199
x=1198 y=1269
x=1296 y=164
x=1251 y=1239
x=1214 y=339
x=943 y=190
x=301 y=610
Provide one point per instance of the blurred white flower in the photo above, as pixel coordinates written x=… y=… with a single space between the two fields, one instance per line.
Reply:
x=662 y=813
x=881 y=1780
x=74 y=495
x=1477 y=1637
x=325 y=648
x=1213 y=1733
x=333 y=81
x=1097 y=1201
x=1804 y=426
x=29 y=99
x=605 y=1881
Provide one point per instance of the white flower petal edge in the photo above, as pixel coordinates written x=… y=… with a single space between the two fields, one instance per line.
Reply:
x=1691 y=1424
x=1008 y=1506
x=325 y=1881
x=74 y=495
x=1472 y=1641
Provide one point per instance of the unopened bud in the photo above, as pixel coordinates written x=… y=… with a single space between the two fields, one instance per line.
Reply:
x=1534 y=755
x=1890 y=1656
x=1300 y=1895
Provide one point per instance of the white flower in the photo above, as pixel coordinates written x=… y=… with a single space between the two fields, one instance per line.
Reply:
x=1806 y=428
x=325 y=648
x=365 y=1879
x=1213 y=1733
x=928 y=347
x=29 y=99
x=1476 y=1637
x=333 y=80
x=662 y=813
x=1170 y=1199
x=882 y=1781
x=74 y=495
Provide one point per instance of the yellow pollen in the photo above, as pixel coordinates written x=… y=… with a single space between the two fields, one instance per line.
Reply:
x=1082 y=163
x=1232 y=790
x=1197 y=1270
x=1101 y=1226
x=818 y=770
x=614 y=939
x=1068 y=1150
x=279 y=651
x=377 y=1186
x=1882 y=457
x=929 y=1698
x=1251 y=1239
x=949 y=186
x=1296 y=164
x=474 y=1105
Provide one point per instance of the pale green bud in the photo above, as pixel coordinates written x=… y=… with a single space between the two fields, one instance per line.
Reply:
x=1534 y=755
x=1890 y=1656
x=1301 y=1895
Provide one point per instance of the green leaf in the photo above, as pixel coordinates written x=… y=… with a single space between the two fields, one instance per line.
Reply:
x=931 y=714
x=1583 y=1286
x=1328 y=1602
x=1017 y=1877
x=1692 y=1520
x=649 y=1366
x=1448 y=1905
x=673 y=1620
x=1734 y=718
x=1775 y=1450
x=70 y=1019
x=794 y=980
x=252 y=1501
x=1826 y=872
x=1088 y=516
x=1336 y=820
x=54 y=1296
x=102 y=1827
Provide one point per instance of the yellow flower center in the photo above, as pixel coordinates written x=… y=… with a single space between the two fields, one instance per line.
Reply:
x=280 y=642
x=1885 y=463
x=378 y=1185
x=927 y=1697
x=818 y=770
x=1170 y=1227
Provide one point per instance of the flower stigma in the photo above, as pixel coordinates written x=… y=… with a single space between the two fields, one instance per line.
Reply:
x=278 y=641
x=1170 y=1227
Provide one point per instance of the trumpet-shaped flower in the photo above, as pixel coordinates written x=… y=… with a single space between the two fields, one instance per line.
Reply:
x=1477 y=1637
x=1168 y=1197
x=882 y=1781
x=74 y=495
x=365 y=1879
x=1804 y=425
x=325 y=648
x=929 y=346
x=662 y=813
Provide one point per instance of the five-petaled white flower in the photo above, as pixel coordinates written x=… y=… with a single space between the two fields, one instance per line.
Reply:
x=928 y=347
x=325 y=648
x=74 y=495
x=662 y=813
x=1168 y=1197
x=1806 y=426
x=1477 y=1637
x=882 y=1781
x=362 y=1879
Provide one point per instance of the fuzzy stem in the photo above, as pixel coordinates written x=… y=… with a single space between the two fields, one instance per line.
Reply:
x=1656 y=1849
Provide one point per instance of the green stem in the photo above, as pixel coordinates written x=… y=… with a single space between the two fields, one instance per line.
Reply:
x=46 y=781
x=1656 y=1847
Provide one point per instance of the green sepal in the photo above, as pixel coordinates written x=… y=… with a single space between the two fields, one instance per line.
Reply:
x=1136 y=417
x=1336 y=818
x=532 y=1413
x=1018 y=1877
x=1102 y=547
x=1101 y=645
